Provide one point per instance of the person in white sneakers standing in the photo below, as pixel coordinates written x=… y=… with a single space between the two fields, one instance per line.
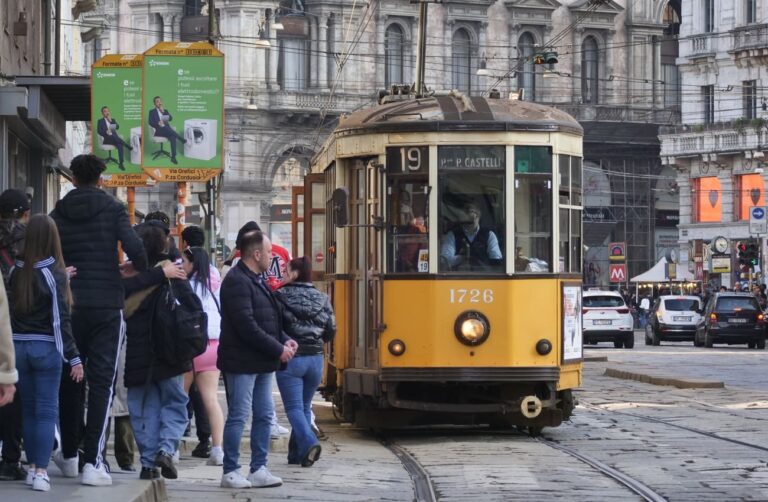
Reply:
x=204 y=372
x=253 y=345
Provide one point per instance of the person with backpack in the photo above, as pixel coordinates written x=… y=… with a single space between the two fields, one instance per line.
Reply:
x=252 y=347
x=14 y=215
x=91 y=222
x=154 y=364
x=205 y=374
x=42 y=336
x=309 y=319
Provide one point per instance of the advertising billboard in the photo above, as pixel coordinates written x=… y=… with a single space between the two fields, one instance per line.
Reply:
x=183 y=111
x=116 y=119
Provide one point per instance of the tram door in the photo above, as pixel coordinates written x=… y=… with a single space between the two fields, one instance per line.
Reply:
x=367 y=261
x=314 y=225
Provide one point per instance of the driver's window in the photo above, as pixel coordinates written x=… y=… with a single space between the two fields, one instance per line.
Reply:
x=471 y=208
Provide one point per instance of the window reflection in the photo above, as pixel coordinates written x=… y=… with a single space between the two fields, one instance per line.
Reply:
x=408 y=231
x=533 y=209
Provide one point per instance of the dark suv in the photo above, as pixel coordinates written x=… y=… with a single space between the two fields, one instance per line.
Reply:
x=731 y=318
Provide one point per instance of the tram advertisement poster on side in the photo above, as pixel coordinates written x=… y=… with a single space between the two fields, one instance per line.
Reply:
x=572 y=335
x=183 y=111
x=116 y=119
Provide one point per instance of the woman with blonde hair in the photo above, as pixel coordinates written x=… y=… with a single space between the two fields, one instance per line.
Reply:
x=40 y=301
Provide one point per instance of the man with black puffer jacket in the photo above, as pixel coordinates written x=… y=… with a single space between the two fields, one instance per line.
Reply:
x=91 y=223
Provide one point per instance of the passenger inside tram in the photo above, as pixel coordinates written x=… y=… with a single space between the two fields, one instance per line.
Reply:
x=468 y=245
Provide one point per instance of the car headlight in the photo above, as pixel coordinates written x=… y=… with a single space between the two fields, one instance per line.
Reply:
x=472 y=328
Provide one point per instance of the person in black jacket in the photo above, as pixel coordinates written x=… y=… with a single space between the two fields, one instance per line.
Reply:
x=91 y=223
x=42 y=335
x=157 y=402
x=308 y=318
x=251 y=348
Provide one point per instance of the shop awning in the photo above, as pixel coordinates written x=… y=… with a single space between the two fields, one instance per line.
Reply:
x=656 y=274
x=71 y=96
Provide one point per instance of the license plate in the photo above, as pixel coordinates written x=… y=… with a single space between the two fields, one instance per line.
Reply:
x=602 y=322
x=737 y=320
x=681 y=318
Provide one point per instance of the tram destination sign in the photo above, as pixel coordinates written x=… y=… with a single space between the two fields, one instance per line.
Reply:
x=407 y=159
x=471 y=157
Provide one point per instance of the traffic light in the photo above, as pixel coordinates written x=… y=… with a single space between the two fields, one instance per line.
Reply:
x=741 y=248
x=545 y=58
x=753 y=253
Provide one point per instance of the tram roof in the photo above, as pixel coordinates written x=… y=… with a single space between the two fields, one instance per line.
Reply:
x=458 y=112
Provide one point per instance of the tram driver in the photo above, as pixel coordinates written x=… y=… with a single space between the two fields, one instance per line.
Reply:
x=468 y=245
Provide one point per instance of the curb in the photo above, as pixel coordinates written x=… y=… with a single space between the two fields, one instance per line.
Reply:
x=155 y=492
x=663 y=380
x=596 y=359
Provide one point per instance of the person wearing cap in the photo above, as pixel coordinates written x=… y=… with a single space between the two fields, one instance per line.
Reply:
x=92 y=223
x=14 y=215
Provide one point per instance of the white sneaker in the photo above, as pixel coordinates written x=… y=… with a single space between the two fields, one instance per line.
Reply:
x=30 y=477
x=67 y=466
x=96 y=476
x=41 y=483
x=263 y=478
x=175 y=457
x=278 y=430
x=234 y=480
x=216 y=457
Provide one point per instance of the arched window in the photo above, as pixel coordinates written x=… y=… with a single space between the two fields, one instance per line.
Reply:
x=526 y=77
x=462 y=61
x=394 y=55
x=589 y=71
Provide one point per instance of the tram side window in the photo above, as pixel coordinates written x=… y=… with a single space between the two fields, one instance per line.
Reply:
x=533 y=209
x=570 y=214
x=408 y=239
x=471 y=208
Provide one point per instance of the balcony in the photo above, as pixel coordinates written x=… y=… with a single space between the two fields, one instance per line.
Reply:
x=700 y=47
x=750 y=42
x=726 y=139
x=315 y=100
x=616 y=113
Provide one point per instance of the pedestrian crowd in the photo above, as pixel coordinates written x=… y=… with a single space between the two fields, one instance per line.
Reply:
x=88 y=338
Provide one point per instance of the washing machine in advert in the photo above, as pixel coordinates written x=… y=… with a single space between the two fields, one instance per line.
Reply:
x=136 y=145
x=201 y=138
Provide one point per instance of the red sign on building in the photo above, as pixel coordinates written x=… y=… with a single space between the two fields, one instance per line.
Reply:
x=617 y=251
x=618 y=273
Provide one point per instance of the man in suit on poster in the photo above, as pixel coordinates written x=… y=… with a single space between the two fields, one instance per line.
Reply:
x=159 y=119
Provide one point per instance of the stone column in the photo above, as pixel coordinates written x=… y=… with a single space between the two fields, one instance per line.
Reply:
x=272 y=54
x=481 y=84
x=608 y=94
x=322 y=60
x=448 y=61
x=381 y=62
x=251 y=22
x=576 y=65
x=686 y=196
x=313 y=52
x=167 y=27
x=726 y=194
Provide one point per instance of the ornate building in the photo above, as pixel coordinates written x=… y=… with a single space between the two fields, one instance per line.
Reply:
x=294 y=66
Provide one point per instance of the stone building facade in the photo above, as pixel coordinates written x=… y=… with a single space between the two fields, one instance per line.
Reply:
x=718 y=152
x=286 y=87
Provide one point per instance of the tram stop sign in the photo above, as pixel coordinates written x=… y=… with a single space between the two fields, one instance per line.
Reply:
x=757 y=221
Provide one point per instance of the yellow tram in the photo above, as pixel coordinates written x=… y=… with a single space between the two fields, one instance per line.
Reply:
x=452 y=253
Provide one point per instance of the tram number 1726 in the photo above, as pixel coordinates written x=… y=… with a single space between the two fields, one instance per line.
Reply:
x=471 y=295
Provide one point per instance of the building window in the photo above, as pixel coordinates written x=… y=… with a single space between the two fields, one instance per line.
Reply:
x=292 y=67
x=671 y=77
x=709 y=16
x=751 y=192
x=589 y=71
x=394 y=55
x=462 y=61
x=526 y=78
x=751 y=11
x=708 y=198
x=749 y=98
x=708 y=99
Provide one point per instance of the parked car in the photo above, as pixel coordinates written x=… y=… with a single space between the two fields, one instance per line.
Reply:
x=731 y=318
x=606 y=318
x=673 y=318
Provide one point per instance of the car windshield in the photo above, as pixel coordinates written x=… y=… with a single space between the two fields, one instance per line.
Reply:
x=603 y=301
x=735 y=304
x=681 y=305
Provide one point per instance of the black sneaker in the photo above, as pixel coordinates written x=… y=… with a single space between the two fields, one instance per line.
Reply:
x=165 y=463
x=12 y=471
x=202 y=450
x=149 y=473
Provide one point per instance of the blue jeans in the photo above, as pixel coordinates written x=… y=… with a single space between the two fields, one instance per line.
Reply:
x=39 y=367
x=298 y=383
x=158 y=420
x=246 y=393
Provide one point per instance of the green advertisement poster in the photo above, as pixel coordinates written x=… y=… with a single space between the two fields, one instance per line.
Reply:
x=183 y=111
x=116 y=118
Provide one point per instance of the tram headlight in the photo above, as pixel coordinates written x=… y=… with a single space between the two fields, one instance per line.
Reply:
x=472 y=328
x=396 y=347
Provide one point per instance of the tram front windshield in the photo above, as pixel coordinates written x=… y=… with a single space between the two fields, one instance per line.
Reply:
x=471 y=208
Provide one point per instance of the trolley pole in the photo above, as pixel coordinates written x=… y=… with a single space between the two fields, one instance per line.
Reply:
x=421 y=53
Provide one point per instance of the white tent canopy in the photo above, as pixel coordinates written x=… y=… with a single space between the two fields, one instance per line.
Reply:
x=656 y=274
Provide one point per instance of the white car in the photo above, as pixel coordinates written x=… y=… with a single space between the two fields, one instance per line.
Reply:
x=606 y=318
x=673 y=317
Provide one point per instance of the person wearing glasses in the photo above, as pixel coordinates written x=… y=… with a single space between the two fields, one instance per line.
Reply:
x=468 y=244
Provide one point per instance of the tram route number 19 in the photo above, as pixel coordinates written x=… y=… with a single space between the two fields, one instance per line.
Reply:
x=471 y=295
x=410 y=158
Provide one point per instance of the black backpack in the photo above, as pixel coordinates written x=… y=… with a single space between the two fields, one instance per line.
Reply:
x=179 y=325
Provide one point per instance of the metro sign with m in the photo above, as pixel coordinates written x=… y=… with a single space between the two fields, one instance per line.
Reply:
x=618 y=273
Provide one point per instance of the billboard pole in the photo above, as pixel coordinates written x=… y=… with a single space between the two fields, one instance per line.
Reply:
x=132 y=205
